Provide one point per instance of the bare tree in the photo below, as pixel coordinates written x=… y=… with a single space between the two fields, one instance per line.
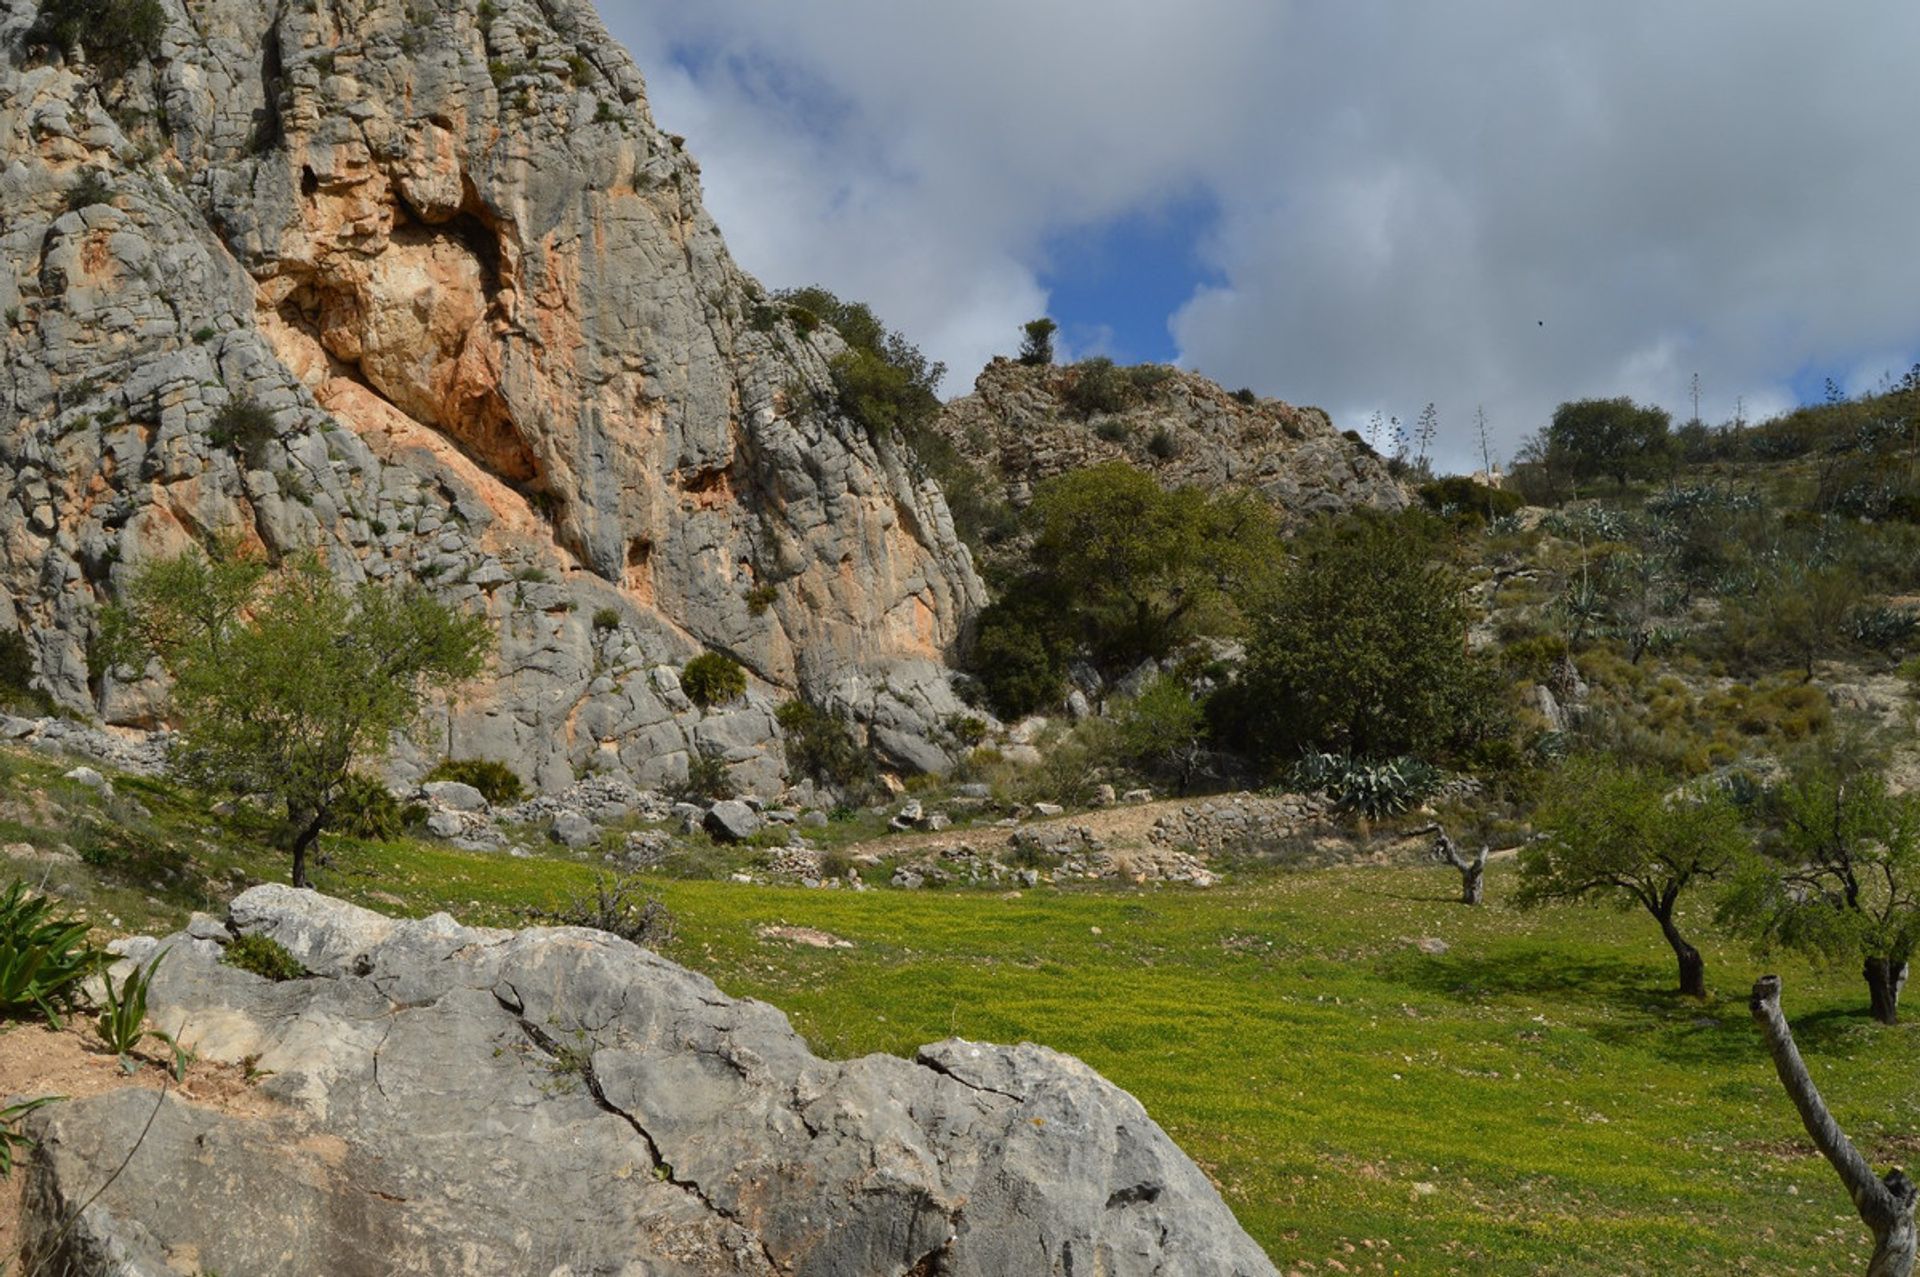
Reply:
x=1885 y=1203
x=1473 y=884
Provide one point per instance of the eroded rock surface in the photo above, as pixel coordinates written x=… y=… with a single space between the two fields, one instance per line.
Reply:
x=504 y=351
x=464 y=1101
x=1021 y=425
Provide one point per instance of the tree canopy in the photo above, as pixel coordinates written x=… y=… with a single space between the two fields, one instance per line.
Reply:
x=1614 y=832
x=1361 y=646
x=283 y=681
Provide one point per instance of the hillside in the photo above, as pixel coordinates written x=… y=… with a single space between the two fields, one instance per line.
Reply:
x=1023 y=424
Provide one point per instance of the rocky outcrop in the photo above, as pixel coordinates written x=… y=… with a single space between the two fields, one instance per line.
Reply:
x=446 y=1100
x=500 y=347
x=1023 y=424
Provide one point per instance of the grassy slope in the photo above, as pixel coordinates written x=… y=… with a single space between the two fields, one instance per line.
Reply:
x=1533 y=1100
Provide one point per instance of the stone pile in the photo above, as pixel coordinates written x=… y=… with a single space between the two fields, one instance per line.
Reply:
x=1240 y=824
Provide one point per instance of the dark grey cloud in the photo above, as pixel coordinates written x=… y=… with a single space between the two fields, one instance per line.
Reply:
x=1502 y=203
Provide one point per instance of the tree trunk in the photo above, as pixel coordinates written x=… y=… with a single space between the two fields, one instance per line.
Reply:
x=1885 y=977
x=1693 y=968
x=308 y=835
x=1885 y=1204
x=1473 y=873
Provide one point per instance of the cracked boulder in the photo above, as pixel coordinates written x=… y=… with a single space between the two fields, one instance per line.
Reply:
x=442 y=1099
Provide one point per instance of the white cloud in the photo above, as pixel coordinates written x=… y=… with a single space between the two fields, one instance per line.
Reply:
x=1494 y=201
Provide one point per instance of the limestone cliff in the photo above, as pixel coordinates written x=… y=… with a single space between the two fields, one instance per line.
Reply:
x=504 y=350
x=1023 y=424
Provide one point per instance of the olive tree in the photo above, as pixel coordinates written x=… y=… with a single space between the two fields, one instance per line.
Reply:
x=283 y=680
x=1616 y=833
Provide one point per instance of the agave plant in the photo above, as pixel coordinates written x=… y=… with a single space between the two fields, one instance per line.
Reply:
x=1372 y=788
x=44 y=956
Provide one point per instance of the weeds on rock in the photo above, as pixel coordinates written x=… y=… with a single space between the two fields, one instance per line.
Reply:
x=12 y=1139
x=265 y=957
x=123 y=1017
x=619 y=907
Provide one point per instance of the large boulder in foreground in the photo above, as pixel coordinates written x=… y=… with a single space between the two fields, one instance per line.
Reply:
x=450 y=1100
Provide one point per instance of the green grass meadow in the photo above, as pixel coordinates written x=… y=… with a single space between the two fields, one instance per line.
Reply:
x=1533 y=1100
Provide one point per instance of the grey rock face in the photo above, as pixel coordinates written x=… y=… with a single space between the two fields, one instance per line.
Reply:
x=503 y=349
x=454 y=795
x=459 y=1101
x=1020 y=426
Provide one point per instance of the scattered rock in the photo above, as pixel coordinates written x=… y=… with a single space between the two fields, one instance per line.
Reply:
x=571 y=829
x=732 y=821
x=809 y=936
x=453 y=795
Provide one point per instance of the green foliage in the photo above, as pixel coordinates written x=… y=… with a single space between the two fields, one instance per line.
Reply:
x=606 y=618
x=116 y=34
x=1163 y=446
x=16 y=677
x=1127 y=570
x=244 y=426
x=1163 y=731
x=12 y=1140
x=708 y=779
x=1036 y=342
x=283 y=682
x=1617 y=832
x=713 y=678
x=1373 y=789
x=1594 y=438
x=92 y=188
x=760 y=598
x=1246 y=396
x=265 y=957
x=1098 y=385
x=1458 y=497
x=619 y=906
x=366 y=808
x=1019 y=656
x=121 y=1025
x=44 y=956
x=1839 y=875
x=820 y=746
x=498 y=783
x=1361 y=648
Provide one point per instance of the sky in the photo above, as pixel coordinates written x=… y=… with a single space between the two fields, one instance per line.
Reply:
x=1360 y=205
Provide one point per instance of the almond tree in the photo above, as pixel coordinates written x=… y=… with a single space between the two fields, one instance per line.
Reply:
x=283 y=681
x=1617 y=833
x=1885 y=1203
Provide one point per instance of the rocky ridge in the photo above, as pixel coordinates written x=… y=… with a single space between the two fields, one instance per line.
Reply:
x=440 y=1099
x=1021 y=425
x=497 y=345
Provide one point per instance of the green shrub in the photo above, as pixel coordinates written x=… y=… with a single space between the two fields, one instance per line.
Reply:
x=115 y=33
x=367 y=809
x=44 y=956
x=1036 y=342
x=1113 y=430
x=497 y=782
x=820 y=746
x=713 y=678
x=1019 y=659
x=620 y=907
x=1098 y=385
x=760 y=598
x=606 y=618
x=244 y=426
x=92 y=188
x=1163 y=446
x=1457 y=496
x=265 y=957
x=708 y=779
x=1246 y=396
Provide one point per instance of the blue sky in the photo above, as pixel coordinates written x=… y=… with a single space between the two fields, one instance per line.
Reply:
x=1365 y=206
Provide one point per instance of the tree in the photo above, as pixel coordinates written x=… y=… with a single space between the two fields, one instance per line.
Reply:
x=1036 y=347
x=1131 y=569
x=1617 y=438
x=1164 y=730
x=1838 y=877
x=1361 y=647
x=1473 y=872
x=1885 y=1203
x=1611 y=832
x=283 y=680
